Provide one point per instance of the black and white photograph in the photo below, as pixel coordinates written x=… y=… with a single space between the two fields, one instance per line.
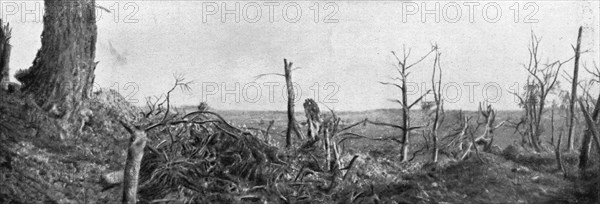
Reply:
x=307 y=101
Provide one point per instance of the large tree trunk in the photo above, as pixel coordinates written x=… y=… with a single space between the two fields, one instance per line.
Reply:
x=574 y=91
x=62 y=73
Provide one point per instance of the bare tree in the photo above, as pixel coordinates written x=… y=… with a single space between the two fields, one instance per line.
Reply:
x=439 y=104
x=403 y=68
x=592 y=125
x=557 y=153
x=540 y=82
x=489 y=120
x=592 y=129
x=574 y=90
x=587 y=136
x=292 y=124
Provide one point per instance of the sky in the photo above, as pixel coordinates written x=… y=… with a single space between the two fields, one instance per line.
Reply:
x=341 y=49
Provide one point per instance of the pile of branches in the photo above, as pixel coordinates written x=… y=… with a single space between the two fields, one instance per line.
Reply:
x=200 y=157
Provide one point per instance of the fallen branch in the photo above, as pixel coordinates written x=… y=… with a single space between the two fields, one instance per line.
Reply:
x=349 y=167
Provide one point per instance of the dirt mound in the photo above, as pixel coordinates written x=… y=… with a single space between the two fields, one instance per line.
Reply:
x=110 y=103
x=37 y=166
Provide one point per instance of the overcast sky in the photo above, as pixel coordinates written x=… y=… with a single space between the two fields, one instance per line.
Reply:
x=343 y=54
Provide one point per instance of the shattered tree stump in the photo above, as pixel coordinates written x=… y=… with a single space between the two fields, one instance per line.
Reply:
x=487 y=139
x=312 y=118
x=292 y=126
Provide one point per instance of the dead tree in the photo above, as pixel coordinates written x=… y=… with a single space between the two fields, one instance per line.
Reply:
x=62 y=73
x=457 y=141
x=330 y=128
x=472 y=142
x=558 y=155
x=487 y=138
x=5 y=48
x=592 y=129
x=552 y=123
x=311 y=109
x=267 y=136
x=574 y=90
x=135 y=153
x=438 y=113
x=587 y=140
x=540 y=82
x=592 y=126
x=292 y=124
x=403 y=70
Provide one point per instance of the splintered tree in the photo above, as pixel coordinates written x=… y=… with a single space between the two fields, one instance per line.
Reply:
x=62 y=73
x=574 y=90
x=403 y=68
x=489 y=119
x=312 y=118
x=438 y=113
x=594 y=134
x=540 y=82
x=587 y=135
x=292 y=125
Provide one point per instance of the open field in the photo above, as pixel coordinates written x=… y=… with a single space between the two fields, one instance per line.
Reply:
x=505 y=135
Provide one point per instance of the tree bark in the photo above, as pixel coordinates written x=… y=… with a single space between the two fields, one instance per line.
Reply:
x=574 y=91
x=62 y=73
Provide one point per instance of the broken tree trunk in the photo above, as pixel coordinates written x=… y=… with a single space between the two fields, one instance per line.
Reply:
x=587 y=139
x=487 y=139
x=574 y=91
x=552 y=124
x=135 y=153
x=290 y=105
x=267 y=136
x=439 y=105
x=558 y=155
x=330 y=131
x=326 y=146
x=593 y=129
x=312 y=118
x=591 y=126
x=62 y=73
x=336 y=155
